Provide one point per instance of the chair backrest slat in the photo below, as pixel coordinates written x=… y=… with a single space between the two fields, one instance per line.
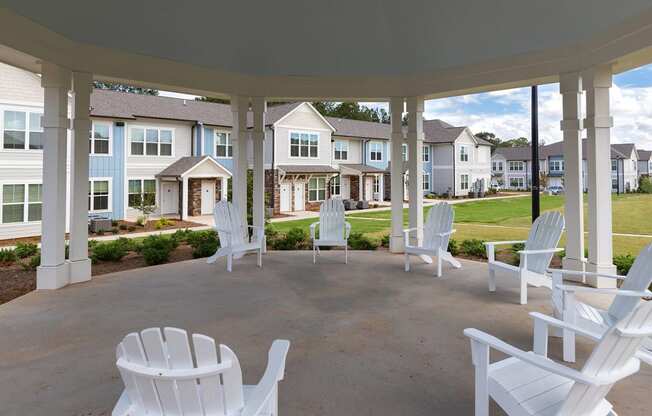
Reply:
x=638 y=278
x=215 y=394
x=439 y=220
x=228 y=217
x=544 y=234
x=609 y=357
x=331 y=219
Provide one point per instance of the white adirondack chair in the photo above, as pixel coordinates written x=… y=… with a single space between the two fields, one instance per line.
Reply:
x=595 y=320
x=233 y=231
x=333 y=229
x=160 y=377
x=535 y=258
x=436 y=233
x=529 y=383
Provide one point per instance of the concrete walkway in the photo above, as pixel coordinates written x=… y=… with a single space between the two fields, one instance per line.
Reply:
x=367 y=338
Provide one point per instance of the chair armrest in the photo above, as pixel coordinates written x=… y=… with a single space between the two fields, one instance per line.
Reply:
x=312 y=229
x=273 y=374
x=347 y=230
x=498 y=243
x=529 y=357
x=615 y=292
x=406 y=234
x=580 y=273
x=446 y=233
x=550 y=321
x=542 y=251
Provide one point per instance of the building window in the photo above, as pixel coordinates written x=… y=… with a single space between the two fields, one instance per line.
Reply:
x=614 y=184
x=614 y=165
x=341 y=150
x=141 y=192
x=304 y=145
x=556 y=165
x=464 y=153
x=426 y=154
x=517 y=183
x=464 y=182
x=98 y=195
x=34 y=201
x=336 y=188
x=151 y=141
x=223 y=145
x=404 y=152
x=376 y=152
x=516 y=166
x=99 y=139
x=426 y=181
x=377 y=185
x=22 y=130
x=13 y=203
x=497 y=166
x=317 y=189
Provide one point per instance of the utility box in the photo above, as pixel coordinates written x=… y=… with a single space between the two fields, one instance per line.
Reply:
x=100 y=224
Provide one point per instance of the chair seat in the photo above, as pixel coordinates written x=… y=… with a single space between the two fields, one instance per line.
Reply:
x=247 y=391
x=515 y=384
x=598 y=317
x=504 y=266
x=246 y=246
x=420 y=249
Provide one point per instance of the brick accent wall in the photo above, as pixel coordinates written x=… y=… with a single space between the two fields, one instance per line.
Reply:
x=194 y=197
x=387 y=185
x=355 y=188
x=218 y=190
x=273 y=189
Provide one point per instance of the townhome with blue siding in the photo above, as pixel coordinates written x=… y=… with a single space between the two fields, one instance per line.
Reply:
x=177 y=156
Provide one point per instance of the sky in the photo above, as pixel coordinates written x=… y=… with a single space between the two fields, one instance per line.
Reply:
x=506 y=113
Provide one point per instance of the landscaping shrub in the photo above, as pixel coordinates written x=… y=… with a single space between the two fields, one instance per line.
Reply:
x=295 y=239
x=128 y=244
x=156 y=249
x=359 y=241
x=645 y=185
x=123 y=227
x=8 y=256
x=384 y=241
x=114 y=230
x=24 y=250
x=162 y=222
x=182 y=236
x=110 y=251
x=473 y=247
x=32 y=263
x=140 y=221
x=203 y=243
x=518 y=247
x=114 y=223
x=624 y=263
x=131 y=228
x=453 y=247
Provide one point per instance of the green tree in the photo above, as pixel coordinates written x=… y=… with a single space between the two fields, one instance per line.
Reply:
x=101 y=85
x=213 y=100
x=352 y=111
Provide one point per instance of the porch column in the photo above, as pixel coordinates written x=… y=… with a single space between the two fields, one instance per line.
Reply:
x=53 y=272
x=259 y=107
x=381 y=187
x=361 y=195
x=570 y=88
x=598 y=122
x=185 y=191
x=415 y=164
x=239 y=108
x=225 y=188
x=79 y=263
x=396 y=106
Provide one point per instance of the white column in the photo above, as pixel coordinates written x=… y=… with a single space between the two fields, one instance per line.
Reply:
x=53 y=272
x=570 y=88
x=396 y=106
x=259 y=107
x=225 y=188
x=79 y=263
x=415 y=164
x=239 y=108
x=184 y=198
x=381 y=187
x=361 y=188
x=598 y=122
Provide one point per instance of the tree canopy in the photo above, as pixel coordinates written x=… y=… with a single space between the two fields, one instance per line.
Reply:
x=352 y=111
x=101 y=85
x=498 y=142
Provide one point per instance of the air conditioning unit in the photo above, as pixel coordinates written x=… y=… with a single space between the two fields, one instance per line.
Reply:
x=100 y=224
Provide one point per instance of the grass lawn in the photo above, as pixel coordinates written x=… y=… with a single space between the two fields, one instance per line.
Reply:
x=509 y=219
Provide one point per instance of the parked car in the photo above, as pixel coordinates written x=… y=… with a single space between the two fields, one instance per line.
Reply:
x=555 y=190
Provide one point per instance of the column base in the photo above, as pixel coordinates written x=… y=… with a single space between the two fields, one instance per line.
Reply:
x=52 y=277
x=396 y=244
x=80 y=270
x=578 y=265
x=601 y=282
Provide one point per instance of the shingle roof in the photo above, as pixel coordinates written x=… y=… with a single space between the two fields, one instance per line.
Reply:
x=183 y=165
x=644 y=154
x=618 y=151
x=361 y=168
x=362 y=129
x=515 y=153
x=307 y=169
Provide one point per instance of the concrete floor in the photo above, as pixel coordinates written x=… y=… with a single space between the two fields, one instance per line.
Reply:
x=367 y=338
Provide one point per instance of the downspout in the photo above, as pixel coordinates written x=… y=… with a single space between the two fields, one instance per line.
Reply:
x=454 y=171
x=273 y=194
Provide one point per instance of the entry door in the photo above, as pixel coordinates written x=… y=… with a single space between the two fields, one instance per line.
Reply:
x=299 y=193
x=369 y=188
x=169 y=198
x=285 y=197
x=207 y=197
x=345 y=187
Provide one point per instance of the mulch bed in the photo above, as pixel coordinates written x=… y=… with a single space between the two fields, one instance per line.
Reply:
x=150 y=226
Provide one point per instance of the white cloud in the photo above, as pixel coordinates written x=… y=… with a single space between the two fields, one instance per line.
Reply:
x=177 y=95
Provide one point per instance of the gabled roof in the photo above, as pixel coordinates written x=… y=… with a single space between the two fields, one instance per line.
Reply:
x=515 y=153
x=644 y=154
x=618 y=151
x=357 y=169
x=307 y=169
x=290 y=108
x=360 y=129
x=187 y=164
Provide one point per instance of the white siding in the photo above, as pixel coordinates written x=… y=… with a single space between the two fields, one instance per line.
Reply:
x=303 y=119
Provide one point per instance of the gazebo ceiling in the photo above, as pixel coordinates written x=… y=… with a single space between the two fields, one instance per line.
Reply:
x=302 y=48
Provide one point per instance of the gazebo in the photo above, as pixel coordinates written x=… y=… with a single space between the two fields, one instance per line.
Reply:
x=405 y=53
